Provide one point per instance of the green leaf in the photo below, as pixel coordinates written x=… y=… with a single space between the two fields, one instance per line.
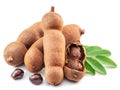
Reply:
x=89 y=68
x=96 y=50
x=96 y=65
x=97 y=59
x=93 y=48
x=99 y=52
x=85 y=46
x=106 y=61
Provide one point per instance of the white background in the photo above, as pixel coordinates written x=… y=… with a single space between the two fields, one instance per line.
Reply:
x=99 y=18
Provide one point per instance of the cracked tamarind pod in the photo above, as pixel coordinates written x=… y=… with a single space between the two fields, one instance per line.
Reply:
x=15 y=51
x=54 y=48
x=34 y=58
x=74 y=68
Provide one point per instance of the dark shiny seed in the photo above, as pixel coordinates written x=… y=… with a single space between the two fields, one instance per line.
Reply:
x=17 y=74
x=36 y=79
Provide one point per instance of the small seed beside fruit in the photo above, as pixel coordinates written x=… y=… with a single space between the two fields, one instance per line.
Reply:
x=17 y=74
x=36 y=79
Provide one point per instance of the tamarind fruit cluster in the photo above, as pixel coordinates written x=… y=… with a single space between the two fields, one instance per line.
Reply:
x=15 y=51
x=51 y=45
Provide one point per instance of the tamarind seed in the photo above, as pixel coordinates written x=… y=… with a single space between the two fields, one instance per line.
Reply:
x=36 y=79
x=75 y=53
x=75 y=64
x=17 y=74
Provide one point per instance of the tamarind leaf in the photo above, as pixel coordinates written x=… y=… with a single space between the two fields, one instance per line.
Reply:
x=97 y=52
x=85 y=46
x=98 y=67
x=89 y=68
x=106 y=61
x=93 y=48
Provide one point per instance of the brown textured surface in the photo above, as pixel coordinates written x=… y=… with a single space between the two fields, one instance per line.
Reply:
x=14 y=53
x=69 y=71
x=72 y=33
x=52 y=20
x=54 y=56
x=31 y=34
x=54 y=75
x=34 y=59
x=72 y=74
x=38 y=44
x=82 y=51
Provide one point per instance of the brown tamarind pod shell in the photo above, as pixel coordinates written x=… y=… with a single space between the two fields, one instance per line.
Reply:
x=34 y=57
x=38 y=44
x=52 y=20
x=33 y=60
x=71 y=73
x=31 y=34
x=72 y=33
x=54 y=56
x=14 y=53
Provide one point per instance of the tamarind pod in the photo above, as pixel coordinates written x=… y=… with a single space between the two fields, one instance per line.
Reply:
x=54 y=56
x=14 y=53
x=34 y=58
x=31 y=34
x=72 y=33
x=74 y=69
x=71 y=73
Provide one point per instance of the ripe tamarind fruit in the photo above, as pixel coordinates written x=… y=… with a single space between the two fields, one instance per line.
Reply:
x=34 y=59
x=14 y=52
x=31 y=34
x=52 y=20
x=54 y=56
x=74 y=69
x=54 y=47
x=72 y=33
